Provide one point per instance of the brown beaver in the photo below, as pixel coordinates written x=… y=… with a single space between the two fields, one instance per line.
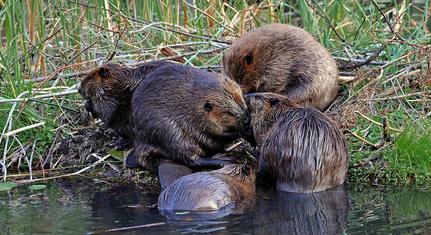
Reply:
x=286 y=60
x=108 y=92
x=209 y=191
x=187 y=115
x=300 y=148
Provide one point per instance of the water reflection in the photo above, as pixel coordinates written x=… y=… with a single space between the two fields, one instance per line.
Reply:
x=80 y=208
x=293 y=213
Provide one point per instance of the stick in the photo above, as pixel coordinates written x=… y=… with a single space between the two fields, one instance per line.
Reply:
x=5 y=135
x=376 y=146
x=365 y=62
x=378 y=63
x=395 y=97
x=378 y=123
x=66 y=175
x=135 y=227
x=58 y=94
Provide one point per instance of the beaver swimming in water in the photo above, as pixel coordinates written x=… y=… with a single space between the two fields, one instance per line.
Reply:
x=187 y=115
x=286 y=60
x=108 y=92
x=300 y=148
x=209 y=191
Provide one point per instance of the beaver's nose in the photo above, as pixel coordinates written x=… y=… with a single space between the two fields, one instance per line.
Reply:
x=88 y=105
x=248 y=98
x=246 y=120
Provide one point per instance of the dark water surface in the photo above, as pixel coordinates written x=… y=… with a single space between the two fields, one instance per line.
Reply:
x=83 y=208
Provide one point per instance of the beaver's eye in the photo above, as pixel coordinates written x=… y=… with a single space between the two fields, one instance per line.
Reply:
x=274 y=101
x=208 y=107
x=228 y=113
x=104 y=72
x=249 y=58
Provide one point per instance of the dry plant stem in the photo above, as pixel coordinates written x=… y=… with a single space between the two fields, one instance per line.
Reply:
x=378 y=123
x=397 y=97
x=52 y=95
x=113 y=167
x=8 y=127
x=329 y=22
x=212 y=18
x=387 y=21
x=21 y=182
x=159 y=27
x=376 y=146
x=29 y=162
x=8 y=134
x=83 y=73
x=377 y=63
x=367 y=61
x=68 y=75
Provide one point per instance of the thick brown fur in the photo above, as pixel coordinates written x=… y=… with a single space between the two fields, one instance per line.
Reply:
x=283 y=59
x=300 y=148
x=186 y=114
x=209 y=191
x=108 y=92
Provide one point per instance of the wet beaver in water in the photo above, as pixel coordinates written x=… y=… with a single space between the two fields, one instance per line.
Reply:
x=187 y=115
x=286 y=60
x=300 y=148
x=209 y=191
x=108 y=92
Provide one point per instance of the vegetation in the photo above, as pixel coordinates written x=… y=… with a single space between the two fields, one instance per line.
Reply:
x=382 y=46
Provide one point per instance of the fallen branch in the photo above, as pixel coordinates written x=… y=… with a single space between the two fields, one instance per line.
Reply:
x=8 y=134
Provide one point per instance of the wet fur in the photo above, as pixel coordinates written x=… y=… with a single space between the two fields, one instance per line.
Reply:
x=186 y=114
x=108 y=92
x=209 y=191
x=286 y=60
x=300 y=148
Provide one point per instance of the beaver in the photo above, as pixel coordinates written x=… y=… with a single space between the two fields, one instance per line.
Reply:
x=286 y=60
x=210 y=190
x=169 y=171
x=108 y=92
x=301 y=149
x=187 y=115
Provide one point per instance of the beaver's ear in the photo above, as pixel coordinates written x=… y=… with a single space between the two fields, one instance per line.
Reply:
x=249 y=58
x=208 y=106
x=274 y=102
x=104 y=72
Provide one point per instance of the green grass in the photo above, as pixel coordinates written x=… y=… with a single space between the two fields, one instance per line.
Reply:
x=62 y=37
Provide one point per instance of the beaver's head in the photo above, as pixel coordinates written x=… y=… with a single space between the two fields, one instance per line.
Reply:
x=264 y=109
x=248 y=59
x=225 y=110
x=103 y=90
